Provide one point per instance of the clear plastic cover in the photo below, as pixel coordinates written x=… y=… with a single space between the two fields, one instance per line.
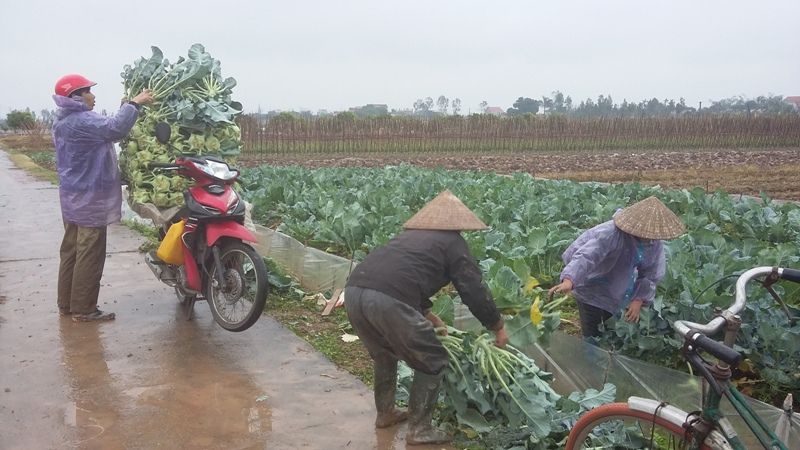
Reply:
x=577 y=365
x=316 y=270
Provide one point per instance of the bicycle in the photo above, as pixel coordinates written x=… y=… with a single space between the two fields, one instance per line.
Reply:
x=648 y=423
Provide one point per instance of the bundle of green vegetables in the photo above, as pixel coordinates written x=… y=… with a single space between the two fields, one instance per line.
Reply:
x=498 y=398
x=501 y=399
x=192 y=96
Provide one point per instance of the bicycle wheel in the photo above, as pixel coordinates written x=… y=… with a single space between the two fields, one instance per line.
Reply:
x=618 y=426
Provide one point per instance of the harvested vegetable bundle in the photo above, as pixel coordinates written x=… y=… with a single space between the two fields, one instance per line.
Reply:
x=192 y=96
x=499 y=398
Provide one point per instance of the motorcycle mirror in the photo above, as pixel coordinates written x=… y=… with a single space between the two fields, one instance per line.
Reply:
x=163 y=132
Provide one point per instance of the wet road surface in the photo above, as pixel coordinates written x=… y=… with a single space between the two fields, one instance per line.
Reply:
x=151 y=379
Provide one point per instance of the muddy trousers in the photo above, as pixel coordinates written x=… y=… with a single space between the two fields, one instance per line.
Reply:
x=83 y=255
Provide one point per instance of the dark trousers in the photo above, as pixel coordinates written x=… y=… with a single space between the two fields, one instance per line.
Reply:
x=591 y=318
x=83 y=255
x=392 y=330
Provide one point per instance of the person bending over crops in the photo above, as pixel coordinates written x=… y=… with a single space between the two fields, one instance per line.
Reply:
x=89 y=190
x=387 y=299
x=616 y=265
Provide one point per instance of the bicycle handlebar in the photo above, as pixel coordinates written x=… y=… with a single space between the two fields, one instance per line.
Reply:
x=718 y=349
x=790 y=274
x=684 y=327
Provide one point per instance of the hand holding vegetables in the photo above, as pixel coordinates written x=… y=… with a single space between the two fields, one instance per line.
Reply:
x=501 y=337
x=632 y=313
x=144 y=98
x=438 y=323
x=565 y=287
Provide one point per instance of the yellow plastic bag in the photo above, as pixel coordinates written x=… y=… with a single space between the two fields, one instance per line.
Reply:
x=171 y=249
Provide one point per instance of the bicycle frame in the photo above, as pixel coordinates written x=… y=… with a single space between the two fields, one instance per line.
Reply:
x=707 y=428
x=718 y=375
x=711 y=413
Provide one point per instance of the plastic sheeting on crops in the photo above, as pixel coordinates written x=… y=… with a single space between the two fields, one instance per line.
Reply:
x=577 y=365
x=315 y=270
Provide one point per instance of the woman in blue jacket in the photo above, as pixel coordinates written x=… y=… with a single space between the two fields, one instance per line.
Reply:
x=616 y=265
x=89 y=190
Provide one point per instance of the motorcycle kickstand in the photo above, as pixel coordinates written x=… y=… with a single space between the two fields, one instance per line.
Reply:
x=190 y=308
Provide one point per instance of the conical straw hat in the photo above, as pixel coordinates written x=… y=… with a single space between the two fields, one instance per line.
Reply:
x=445 y=212
x=649 y=219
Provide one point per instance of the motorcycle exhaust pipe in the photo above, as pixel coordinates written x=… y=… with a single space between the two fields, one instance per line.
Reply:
x=161 y=270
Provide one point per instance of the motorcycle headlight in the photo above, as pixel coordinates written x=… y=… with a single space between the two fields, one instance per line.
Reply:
x=218 y=170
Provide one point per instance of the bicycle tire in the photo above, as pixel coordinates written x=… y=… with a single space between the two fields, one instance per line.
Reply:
x=623 y=412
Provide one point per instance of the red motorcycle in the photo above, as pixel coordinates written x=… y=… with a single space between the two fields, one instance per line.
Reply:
x=208 y=255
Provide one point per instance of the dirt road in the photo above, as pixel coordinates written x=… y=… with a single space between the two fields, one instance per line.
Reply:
x=151 y=379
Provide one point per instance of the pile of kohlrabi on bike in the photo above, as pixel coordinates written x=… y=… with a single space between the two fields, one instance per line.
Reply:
x=193 y=97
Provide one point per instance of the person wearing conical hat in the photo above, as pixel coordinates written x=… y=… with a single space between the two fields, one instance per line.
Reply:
x=616 y=265
x=387 y=299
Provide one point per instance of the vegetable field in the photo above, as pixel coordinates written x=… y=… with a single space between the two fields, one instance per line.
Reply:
x=349 y=211
x=750 y=172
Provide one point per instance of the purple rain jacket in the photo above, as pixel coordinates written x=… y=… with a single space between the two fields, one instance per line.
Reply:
x=609 y=268
x=88 y=175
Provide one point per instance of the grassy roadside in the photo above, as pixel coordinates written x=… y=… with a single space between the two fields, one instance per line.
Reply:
x=33 y=153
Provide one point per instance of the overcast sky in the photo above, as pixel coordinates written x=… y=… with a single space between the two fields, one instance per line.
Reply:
x=334 y=54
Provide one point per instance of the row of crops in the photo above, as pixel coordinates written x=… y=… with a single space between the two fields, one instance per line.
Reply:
x=350 y=211
x=287 y=134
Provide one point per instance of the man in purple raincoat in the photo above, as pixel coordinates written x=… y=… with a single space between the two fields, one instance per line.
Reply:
x=616 y=265
x=89 y=189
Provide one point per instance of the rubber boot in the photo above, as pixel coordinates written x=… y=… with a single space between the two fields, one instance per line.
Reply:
x=385 y=388
x=421 y=402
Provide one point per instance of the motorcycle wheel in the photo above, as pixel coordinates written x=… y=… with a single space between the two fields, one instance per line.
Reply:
x=239 y=302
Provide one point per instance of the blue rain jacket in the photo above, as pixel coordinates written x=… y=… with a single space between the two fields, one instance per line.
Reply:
x=88 y=175
x=610 y=268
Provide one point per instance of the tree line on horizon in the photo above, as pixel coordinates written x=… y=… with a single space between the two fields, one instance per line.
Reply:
x=556 y=104
x=560 y=104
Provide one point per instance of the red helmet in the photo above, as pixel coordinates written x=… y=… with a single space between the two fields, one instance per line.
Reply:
x=68 y=84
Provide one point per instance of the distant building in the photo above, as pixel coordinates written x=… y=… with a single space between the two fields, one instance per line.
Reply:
x=794 y=101
x=495 y=111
